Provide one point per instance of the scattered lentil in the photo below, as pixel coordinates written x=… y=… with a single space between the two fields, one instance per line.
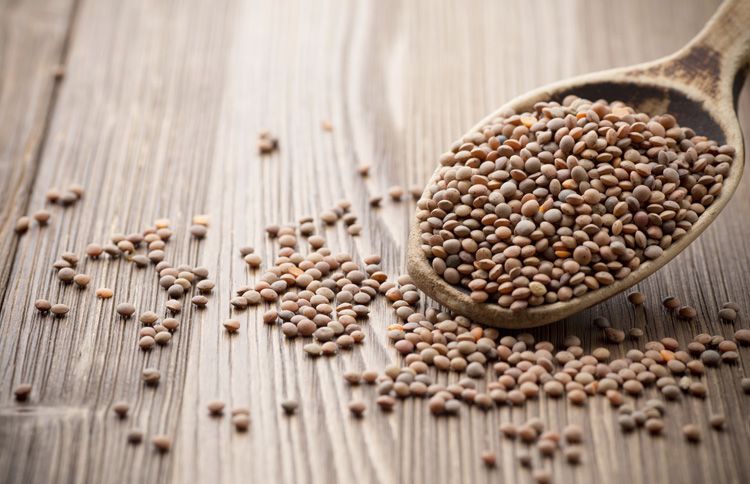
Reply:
x=22 y=392
x=59 y=310
x=42 y=217
x=231 y=325
x=489 y=458
x=241 y=422
x=125 y=310
x=22 y=225
x=215 y=408
x=42 y=305
x=357 y=408
x=162 y=443
x=636 y=298
x=135 y=436
x=121 y=409
x=289 y=406
x=691 y=432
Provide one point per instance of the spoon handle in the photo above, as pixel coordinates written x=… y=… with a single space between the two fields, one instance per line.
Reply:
x=716 y=60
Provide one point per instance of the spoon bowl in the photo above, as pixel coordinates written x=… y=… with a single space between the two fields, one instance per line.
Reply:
x=699 y=85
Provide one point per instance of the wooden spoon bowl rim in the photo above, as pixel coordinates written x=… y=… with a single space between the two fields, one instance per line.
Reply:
x=458 y=300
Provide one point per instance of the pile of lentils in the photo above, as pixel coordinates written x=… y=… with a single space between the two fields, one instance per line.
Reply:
x=315 y=294
x=523 y=367
x=544 y=206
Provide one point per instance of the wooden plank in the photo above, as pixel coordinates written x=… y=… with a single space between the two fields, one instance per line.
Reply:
x=33 y=42
x=158 y=117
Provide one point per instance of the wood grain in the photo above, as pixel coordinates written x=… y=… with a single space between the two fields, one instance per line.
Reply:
x=158 y=117
x=33 y=43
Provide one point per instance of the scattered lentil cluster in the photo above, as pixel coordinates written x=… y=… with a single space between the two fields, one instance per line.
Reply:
x=320 y=295
x=544 y=206
x=65 y=199
x=181 y=282
x=524 y=367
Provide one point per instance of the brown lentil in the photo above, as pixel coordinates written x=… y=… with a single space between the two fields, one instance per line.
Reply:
x=121 y=409
x=728 y=314
x=636 y=298
x=231 y=325
x=627 y=423
x=42 y=305
x=162 y=443
x=125 y=310
x=151 y=376
x=289 y=406
x=42 y=217
x=573 y=454
x=614 y=335
x=573 y=434
x=691 y=432
x=135 y=436
x=66 y=274
x=742 y=336
x=489 y=458
x=215 y=407
x=357 y=408
x=241 y=422
x=59 y=310
x=22 y=392
x=687 y=312
x=717 y=421
x=163 y=337
x=22 y=224
x=541 y=476
x=654 y=425
x=386 y=402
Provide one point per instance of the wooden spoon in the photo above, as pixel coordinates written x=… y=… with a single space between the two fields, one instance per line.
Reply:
x=699 y=85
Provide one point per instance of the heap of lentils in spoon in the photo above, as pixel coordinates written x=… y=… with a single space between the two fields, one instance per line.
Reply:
x=546 y=206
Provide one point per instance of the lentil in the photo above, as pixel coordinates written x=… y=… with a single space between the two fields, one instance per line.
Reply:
x=59 y=310
x=151 y=376
x=289 y=406
x=125 y=310
x=42 y=305
x=636 y=298
x=489 y=458
x=357 y=408
x=135 y=436
x=215 y=408
x=42 y=217
x=728 y=314
x=121 y=409
x=691 y=432
x=231 y=325
x=241 y=422
x=22 y=224
x=573 y=454
x=162 y=443
x=81 y=280
x=717 y=421
x=22 y=392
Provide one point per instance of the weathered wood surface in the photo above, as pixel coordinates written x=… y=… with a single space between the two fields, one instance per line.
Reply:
x=157 y=116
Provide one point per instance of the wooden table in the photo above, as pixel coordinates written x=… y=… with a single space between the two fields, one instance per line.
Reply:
x=155 y=106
